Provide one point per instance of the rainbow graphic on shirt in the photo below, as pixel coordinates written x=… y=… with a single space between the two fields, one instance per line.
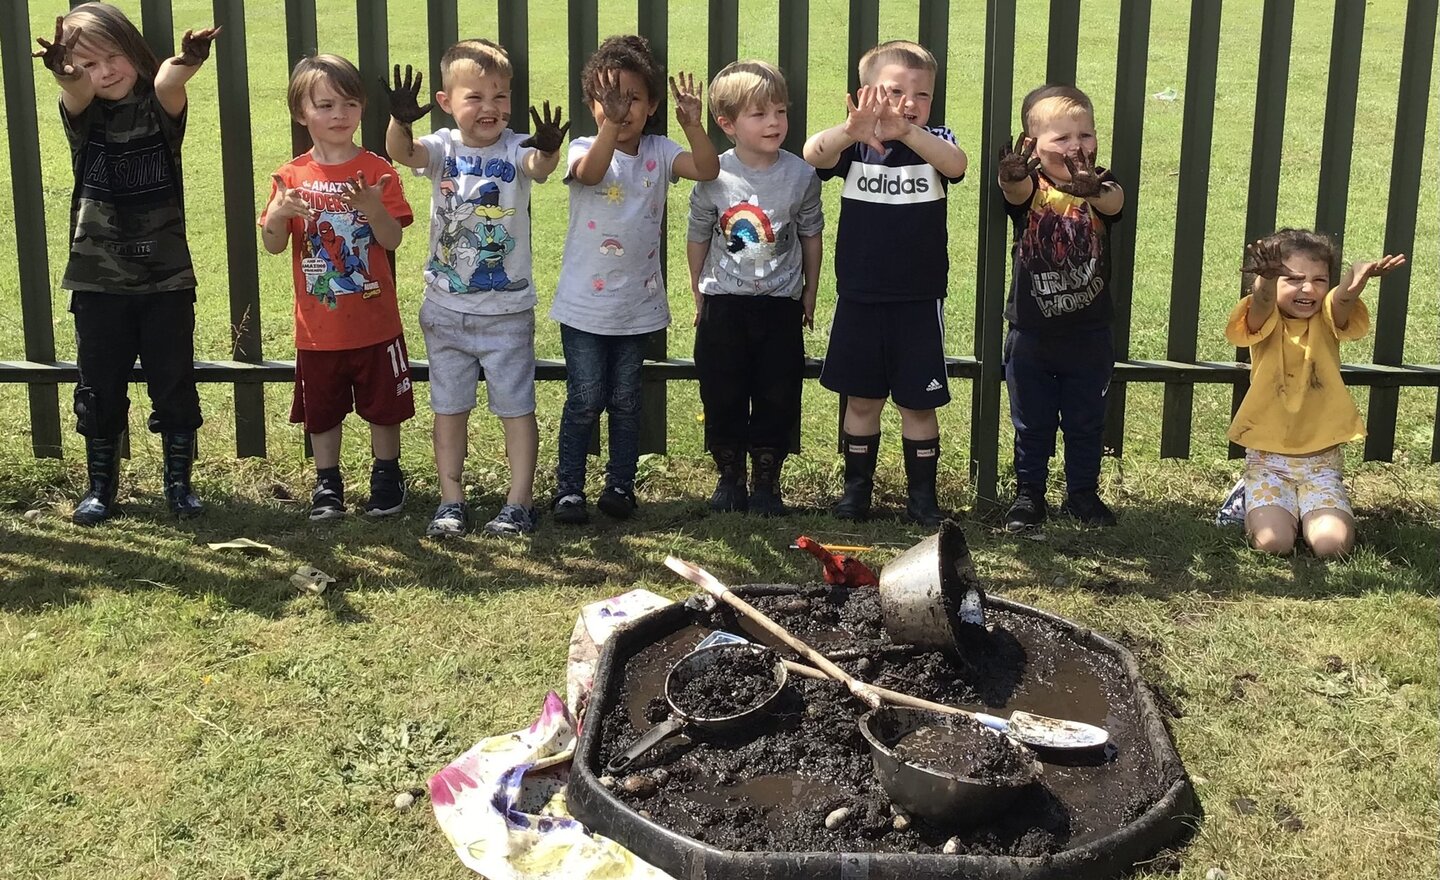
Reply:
x=746 y=227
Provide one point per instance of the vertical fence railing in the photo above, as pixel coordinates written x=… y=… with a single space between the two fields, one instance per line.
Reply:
x=1126 y=142
x=243 y=270
x=30 y=251
x=1276 y=27
x=1412 y=105
x=444 y=31
x=654 y=25
x=1186 y=274
x=794 y=57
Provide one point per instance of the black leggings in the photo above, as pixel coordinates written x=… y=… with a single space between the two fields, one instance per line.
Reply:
x=111 y=330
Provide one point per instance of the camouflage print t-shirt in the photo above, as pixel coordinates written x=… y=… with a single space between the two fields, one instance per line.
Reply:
x=127 y=214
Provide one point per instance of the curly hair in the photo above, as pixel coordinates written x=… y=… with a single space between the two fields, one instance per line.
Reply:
x=1318 y=246
x=627 y=52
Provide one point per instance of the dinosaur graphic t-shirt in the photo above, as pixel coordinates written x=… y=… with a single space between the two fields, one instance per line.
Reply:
x=479 y=259
x=891 y=244
x=127 y=211
x=1061 y=278
x=344 y=286
x=753 y=219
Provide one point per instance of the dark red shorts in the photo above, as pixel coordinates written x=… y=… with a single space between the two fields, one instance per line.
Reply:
x=373 y=381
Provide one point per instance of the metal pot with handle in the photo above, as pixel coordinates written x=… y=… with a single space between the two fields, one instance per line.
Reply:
x=930 y=596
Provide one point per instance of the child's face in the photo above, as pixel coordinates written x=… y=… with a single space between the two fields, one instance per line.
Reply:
x=110 y=71
x=915 y=89
x=642 y=107
x=330 y=117
x=480 y=103
x=1062 y=135
x=1301 y=289
x=759 y=128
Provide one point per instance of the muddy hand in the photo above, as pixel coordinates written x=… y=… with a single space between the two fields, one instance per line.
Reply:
x=404 y=98
x=892 y=125
x=688 y=107
x=1355 y=277
x=56 y=56
x=1263 y=260
x=863 y=116
x=362 y=196
x=548 y=134
x=1020 y=162
x=613 y=102
x=287 y=202
x=1084 y=180
x=195 y=46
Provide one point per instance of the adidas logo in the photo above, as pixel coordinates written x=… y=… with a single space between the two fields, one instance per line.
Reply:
x=934 y=385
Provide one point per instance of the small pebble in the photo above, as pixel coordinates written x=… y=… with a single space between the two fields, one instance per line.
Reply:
x=864 y=666
x=404 y=800
x=639 y=785
x=661 y=775
x=32 y=515
x=1215 y=874
x=1059 y=580
x=900 y=822
x=644 y=814
x=952 y=846
x=606 y=781
x=837 y=818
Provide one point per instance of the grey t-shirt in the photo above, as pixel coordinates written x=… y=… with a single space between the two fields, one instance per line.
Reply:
x=479 y=260
x=610 y=280
x=753 y=218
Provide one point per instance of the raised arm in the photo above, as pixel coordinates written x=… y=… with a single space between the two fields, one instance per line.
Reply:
x=823 y=149
x=702 y=162
x=548 y=137
x=76 y=90
x=175 y=72
x=1347 y=292
x=1017 y=169
x=405 y=111
x=1262 y=260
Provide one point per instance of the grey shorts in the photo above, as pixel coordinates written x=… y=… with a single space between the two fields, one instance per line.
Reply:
x=460 y=345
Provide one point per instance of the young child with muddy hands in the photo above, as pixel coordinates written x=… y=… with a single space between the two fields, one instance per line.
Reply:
x=1297 y=414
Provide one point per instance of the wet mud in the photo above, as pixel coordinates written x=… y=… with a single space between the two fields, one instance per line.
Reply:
x=772 y=785
x=964 y=748
x=732 y=683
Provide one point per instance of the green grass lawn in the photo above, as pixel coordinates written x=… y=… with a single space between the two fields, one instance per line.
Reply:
x=167 y=711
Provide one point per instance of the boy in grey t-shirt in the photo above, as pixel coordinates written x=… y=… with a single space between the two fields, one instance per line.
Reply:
x=479 y=310
x=754 y=255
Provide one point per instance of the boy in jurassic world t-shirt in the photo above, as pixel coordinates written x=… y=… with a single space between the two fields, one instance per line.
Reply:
x=891 y=271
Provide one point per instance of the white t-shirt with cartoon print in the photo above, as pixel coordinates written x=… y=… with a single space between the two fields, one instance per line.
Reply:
x=479 y=260
x=610 y=280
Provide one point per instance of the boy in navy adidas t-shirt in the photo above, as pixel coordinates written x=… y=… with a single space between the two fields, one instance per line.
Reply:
x=891 y=270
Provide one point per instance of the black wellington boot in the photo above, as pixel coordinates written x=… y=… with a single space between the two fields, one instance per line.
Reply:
x=922 y=458
x=179 y=457
x=765 y=497
x=860 y=457
x=729 y=493
x=102 y=460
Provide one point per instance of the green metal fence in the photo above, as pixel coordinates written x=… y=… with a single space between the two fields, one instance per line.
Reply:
x=248 y=369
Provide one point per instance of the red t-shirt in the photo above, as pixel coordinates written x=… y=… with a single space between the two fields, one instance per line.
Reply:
x=344 y=287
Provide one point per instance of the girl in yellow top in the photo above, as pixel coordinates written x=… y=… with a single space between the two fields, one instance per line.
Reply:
x=1297 y=412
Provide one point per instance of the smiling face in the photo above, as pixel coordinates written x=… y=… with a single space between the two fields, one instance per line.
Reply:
x=1063 y=134
x=913 y=87
x=110 y=70
x=759 y=129
x=480 y=103
x=1300 y=290
x=330 y=117
x=642 y=107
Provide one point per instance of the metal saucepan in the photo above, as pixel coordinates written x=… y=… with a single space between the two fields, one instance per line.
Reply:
x=681 y=721
x=930 y=595
x=939 y=796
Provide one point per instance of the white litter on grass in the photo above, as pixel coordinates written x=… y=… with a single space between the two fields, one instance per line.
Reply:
x=1168 y=94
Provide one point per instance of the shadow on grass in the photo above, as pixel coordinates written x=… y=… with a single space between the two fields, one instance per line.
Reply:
x=1156 y=551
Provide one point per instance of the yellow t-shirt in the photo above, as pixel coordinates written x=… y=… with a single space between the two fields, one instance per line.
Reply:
x=1297 y=403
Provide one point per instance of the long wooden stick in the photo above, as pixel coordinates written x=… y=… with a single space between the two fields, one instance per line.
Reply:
x=886 y=694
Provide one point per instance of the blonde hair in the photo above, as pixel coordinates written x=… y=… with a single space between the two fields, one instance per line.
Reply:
x=338 y=72
x=105 y=26
x=744 y=84
x=906 y=53
x=1049 y=102
x=478 y=57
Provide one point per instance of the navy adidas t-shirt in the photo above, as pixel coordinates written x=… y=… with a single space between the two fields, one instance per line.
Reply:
x=891 y=243
x=1061 y=277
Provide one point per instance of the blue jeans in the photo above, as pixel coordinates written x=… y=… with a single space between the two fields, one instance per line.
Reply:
x=1059 y=382
x=602 y=374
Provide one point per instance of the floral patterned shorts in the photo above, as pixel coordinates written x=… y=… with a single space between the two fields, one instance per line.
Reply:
x=1298 y=483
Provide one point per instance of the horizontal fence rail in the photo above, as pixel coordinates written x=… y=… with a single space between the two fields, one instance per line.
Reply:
x=247 y=368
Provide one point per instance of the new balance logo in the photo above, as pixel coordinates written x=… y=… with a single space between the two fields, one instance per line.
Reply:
x=934 y=385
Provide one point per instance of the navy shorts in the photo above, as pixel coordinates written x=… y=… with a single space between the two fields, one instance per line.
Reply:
x=892 y=349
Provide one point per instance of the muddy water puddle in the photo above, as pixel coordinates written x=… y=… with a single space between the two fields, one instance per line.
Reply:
x=771 y=787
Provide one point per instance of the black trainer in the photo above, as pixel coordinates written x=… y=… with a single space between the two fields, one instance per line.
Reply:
x=569 y=508
x=1028 y=510
x=617 y=502
x=328 y=500
x=1088 y=508
x=387 y=490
